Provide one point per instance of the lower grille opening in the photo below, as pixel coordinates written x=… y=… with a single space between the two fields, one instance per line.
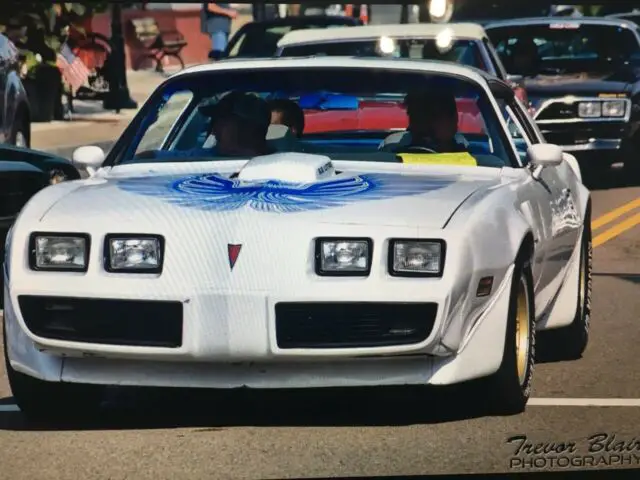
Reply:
x=353 y=324
x=111 y=322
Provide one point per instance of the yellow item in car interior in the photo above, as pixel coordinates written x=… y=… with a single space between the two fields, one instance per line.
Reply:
x=458 y=159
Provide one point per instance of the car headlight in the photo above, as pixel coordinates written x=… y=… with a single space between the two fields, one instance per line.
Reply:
x=343 y=256
x=131 y=253
x=606 y=108
x=56 y=176
x=416 y=258
x=613 y=108
x=59 y=251
x=590 y=109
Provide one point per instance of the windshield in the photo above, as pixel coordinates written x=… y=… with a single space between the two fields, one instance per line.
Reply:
x=465 y=52
x=562 y=47
x=505 y=10
x=344 y=113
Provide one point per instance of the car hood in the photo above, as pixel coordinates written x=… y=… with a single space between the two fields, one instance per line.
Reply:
x=356 y=196
x=578 y=84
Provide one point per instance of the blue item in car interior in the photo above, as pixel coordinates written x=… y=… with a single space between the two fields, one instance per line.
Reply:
x=328 y=101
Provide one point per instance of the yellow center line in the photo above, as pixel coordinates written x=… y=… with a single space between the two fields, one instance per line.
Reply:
x=616 y=230
x=613 y=214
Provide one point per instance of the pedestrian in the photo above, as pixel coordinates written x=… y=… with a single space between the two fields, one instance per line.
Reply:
x=215 y=20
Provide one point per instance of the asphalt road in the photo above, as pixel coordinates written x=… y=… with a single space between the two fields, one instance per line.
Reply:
x=186 y=434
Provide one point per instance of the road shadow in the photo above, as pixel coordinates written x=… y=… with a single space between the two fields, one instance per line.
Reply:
x=629 y=277
x=210 y=410
x=609 y=179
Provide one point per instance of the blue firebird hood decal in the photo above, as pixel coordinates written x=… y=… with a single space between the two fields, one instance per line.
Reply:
x=214 y=192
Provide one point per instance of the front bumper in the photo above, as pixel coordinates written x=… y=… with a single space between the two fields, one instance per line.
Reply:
x=230 y=340
x=600 y=143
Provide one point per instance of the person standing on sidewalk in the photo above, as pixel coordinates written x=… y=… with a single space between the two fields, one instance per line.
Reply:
x=216 y=22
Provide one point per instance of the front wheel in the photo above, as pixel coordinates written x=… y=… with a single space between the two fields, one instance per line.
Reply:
x=51 y=401
x=570 y=342
x=508 y=390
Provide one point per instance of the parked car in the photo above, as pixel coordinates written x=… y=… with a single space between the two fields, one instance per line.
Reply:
x=260 y=39
x=582 y=77
x=347 y=264
x=463 y=43
x=15 y=117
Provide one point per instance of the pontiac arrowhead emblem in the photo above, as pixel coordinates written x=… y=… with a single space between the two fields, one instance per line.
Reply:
x=234 y=251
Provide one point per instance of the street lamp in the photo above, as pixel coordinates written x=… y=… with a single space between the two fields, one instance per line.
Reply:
x=118 y=97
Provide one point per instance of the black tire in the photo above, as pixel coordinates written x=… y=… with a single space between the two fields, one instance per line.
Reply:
x=20 y=131
x=631 y=165
x=569 y=343
x=631 y=170
x=507 y=391
x=51 y=401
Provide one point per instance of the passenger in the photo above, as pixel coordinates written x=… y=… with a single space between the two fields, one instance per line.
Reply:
x=433 y=121
x=287 y=112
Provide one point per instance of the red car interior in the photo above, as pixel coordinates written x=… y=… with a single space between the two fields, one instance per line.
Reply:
x=376 y=115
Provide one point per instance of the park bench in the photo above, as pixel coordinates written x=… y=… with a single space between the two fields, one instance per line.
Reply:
x=157 y=44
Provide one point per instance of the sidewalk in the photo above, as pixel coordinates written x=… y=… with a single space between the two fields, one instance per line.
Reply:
x=90 y=123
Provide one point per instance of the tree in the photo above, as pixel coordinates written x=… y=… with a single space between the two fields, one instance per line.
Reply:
x=39 y=30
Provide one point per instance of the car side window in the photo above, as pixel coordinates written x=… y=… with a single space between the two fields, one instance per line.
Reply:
x=165 y=119
x=257 y=42
x=235 y=50
x=516 y=125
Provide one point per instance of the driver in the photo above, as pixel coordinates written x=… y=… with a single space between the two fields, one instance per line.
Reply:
x=239 y=123
x=433 y=122
x=525 y=57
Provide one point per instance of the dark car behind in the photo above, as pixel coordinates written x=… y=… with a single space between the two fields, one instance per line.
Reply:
x=15 y=118
x=23 y=173
x=583 y=80
x=260 y=39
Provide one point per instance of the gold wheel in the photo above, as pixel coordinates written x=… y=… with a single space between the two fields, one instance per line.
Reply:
x=582 y=286
x=522 y=330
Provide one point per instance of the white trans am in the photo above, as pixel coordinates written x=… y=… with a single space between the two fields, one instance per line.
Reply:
x=199 y=254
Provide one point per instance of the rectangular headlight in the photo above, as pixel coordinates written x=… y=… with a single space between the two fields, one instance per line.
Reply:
x=590 y=109
x=416 y=258
x=133 y=253
x=613 y=108
x=343 y=256
x=67 y=252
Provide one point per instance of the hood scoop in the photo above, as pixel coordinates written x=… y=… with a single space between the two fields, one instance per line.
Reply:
x=288 y=167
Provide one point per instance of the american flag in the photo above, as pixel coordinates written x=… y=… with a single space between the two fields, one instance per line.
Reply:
x=74 y=72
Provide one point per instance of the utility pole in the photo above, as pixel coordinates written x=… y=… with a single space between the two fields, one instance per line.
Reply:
x=118 y=97
x=404 y=14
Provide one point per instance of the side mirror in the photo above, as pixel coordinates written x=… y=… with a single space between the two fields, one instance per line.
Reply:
x=90 y=158
x=543 y=155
